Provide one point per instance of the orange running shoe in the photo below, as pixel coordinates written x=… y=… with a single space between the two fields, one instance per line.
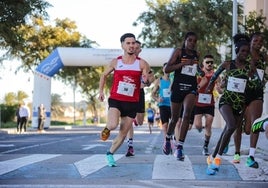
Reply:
x=209 y=159
x=105 y=133
x=216 y=163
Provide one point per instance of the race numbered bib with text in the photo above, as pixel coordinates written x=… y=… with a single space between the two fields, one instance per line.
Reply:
x=236 y=84
x=204 y=98
x=166 y=93
x=125 y=88
x=189 y=70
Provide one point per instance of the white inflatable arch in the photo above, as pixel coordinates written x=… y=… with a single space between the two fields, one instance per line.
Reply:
x=61 y=57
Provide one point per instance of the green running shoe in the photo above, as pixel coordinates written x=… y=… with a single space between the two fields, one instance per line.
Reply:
x=110 y=160
x=251 y=162
x=258 y=124
x=236 y=158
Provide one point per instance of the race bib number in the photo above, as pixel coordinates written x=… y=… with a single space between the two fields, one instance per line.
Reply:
x=125 y=88
x=166 y=92
x=236 y=84
x=260 y=73
x=189 y=70
x=204 y=98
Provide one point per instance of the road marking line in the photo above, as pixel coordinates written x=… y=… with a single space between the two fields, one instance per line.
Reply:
x=7 y=145
x=90 y=146
x=13 y=164
x=93 y=163
x=149 y=149
x=168 y=167
x=35 y=145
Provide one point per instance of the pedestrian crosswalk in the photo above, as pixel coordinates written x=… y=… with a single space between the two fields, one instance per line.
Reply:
x=97 y=161
x=247 y=173
x=166 y=167
x=153 y=167
x=13 y=164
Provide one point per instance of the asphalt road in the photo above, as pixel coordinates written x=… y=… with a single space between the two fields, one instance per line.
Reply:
x=75 y=157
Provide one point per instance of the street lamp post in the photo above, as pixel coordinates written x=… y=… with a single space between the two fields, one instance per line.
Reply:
x=0 y=116
x=0 y=110
x=84 y=107
x=74 y=87
x=234 y=25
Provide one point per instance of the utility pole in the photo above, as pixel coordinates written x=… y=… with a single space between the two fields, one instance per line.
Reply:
x=234 y=26
x=74 y=88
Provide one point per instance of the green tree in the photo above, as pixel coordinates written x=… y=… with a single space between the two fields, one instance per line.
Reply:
x=55 y=99
x=12 y=98
x=14 y=13
x=21 y=95
x=167 y=21
x=255 y=22
x=86 y=81
x=56 y=105
x=39 y=39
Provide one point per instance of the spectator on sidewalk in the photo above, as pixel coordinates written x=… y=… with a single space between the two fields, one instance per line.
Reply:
x=24 y=116
x=41 y=117
x=18 y=117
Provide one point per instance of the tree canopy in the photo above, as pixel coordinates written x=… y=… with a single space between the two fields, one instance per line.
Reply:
x=14 y=13
x=26 y=34
x=12 y=98
x=167 y=21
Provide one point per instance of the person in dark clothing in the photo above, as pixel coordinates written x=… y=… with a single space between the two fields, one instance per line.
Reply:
x=18 y=117
x=41 y=117
x=184 y=62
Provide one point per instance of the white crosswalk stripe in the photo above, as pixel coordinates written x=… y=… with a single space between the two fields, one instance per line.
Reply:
x=167 y=167
x=13 y=164
x=164 y=167
x=84 y=167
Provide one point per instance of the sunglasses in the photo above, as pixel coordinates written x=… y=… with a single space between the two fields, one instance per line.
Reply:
x=209 y=62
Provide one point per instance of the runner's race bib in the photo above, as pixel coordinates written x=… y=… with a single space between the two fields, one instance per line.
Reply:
x=125 y=88
x=166 y=93
x=204 y=98
x=236 y=84
x=189 y=70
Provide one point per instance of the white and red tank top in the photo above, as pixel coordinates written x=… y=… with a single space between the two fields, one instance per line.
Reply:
x=203 y=98
x=126 y=81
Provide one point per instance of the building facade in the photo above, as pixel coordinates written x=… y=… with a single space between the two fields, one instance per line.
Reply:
x=256 y=5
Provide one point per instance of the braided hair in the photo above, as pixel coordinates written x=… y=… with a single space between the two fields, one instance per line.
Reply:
x=240 y=40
